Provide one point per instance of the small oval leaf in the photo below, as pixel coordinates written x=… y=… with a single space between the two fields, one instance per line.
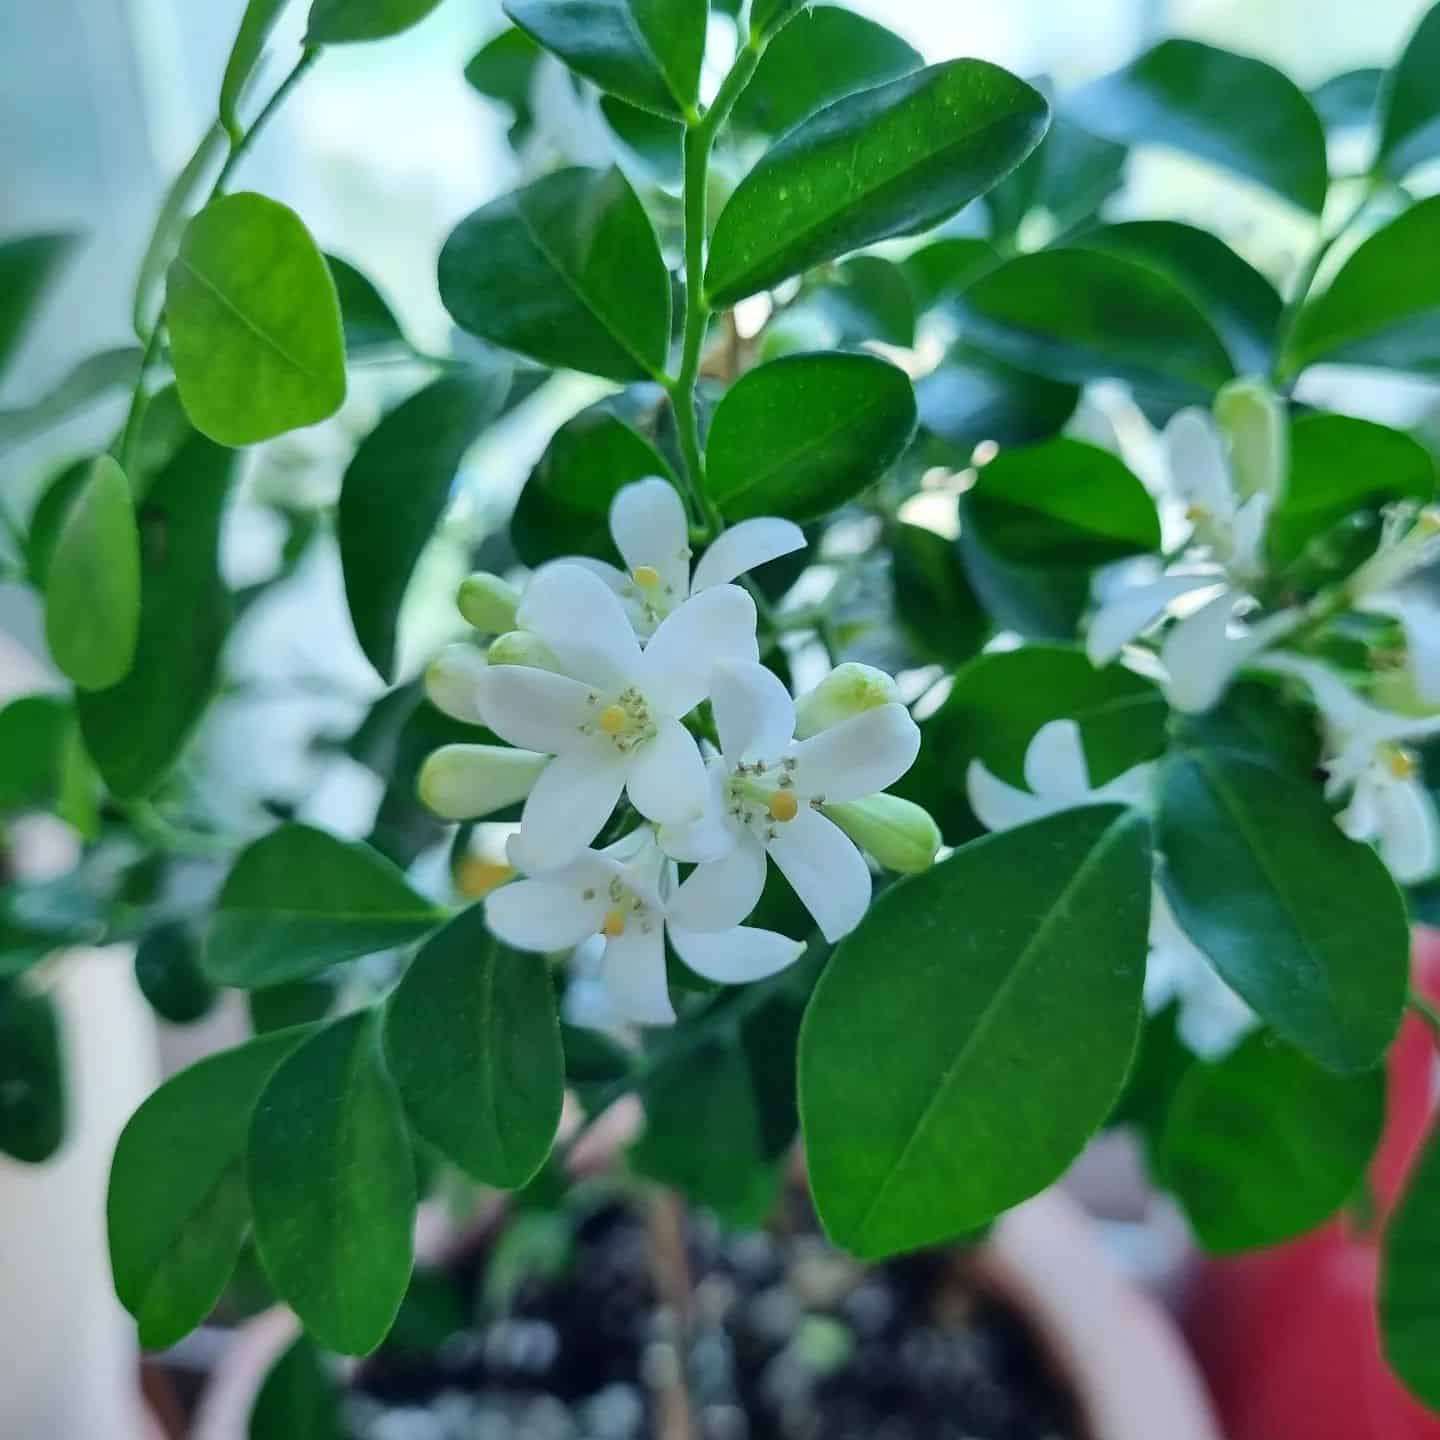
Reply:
x=32 y=1074
x=342 y=22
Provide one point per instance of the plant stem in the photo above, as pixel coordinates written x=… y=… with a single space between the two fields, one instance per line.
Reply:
x=1427 y=1012
x=671 y=1264
x=282 y=91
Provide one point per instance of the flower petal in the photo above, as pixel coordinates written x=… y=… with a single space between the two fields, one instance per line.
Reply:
x=534 y=709
x=667 y=781
x=1409 y=832
x=825 y=870
x=582 y=620
x=1199 y=470
x=857 y=757
x=1055 y=765
x=1420 y=618
x=712 y=835
x=1000 y=806
x=718 y=624
x=736 y=956
x=1132 y=612
x=549 y=913
x=754 y=714
x=1202 y=656
x=570 y=803
x=745 y=546
x=634 y=976
x=720 y=895
x=648 y=525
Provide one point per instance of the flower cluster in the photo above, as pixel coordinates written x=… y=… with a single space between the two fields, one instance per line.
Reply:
x=596 y=685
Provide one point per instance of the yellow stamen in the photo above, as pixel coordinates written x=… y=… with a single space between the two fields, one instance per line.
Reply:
x=476 y=876
x=614 y=924
x=1196 y=512
x=647 y=577
x=1401 y=763
x=784 y=806
x=612 y=719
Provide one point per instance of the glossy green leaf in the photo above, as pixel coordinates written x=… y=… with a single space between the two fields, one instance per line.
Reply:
x=1257 y=720
x=365 y=316
x=1409 y=104
x=971 y=397
x=341 y=22
x=933 y=598
x=1013 y=970
x=1340 y=466
x=1303 y=923
x=564 y=508
x=801 y=436
x=297 y=1002
x=767 y=16
x=32 y=739
x=1038 y=602
x=829 y=54
x=1078 y=315
x=870 y=299
x=503 y=69
x=29 y=266
x=941 y=270
x=1383 y=308
x=1161 y=1064
x=395 y=491
x=332 y=1186
x=255 y=26
x=86 y=383
x=254 y=323
x=568 y=271
x=167 y=970
x=1067 y=177
x=1410 y=1279
x=32 y=1075
x=299 y=1399
x=645 y=51
x=474 y=1045
x=656 y=143
x=892 y=160
x=135 y=730
x=1264 y=1145
x=1231 y=110
x=299 y=900
x=177 y=1210
x=92 y=593
x=1350 y=100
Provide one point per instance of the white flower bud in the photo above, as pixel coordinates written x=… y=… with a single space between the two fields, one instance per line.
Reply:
x=520 y=647
x=901 y=835
x=467 y=782
x=848 y=690
x=488 y=603
x=450 y=682
x=1255 y=422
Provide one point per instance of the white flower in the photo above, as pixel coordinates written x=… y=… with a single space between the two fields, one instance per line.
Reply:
x=768 y=790
x=1365 y=754
x=1204 y=652
x=1408 y=542
x=648 y=525
x=624 y=895
x=612 y=719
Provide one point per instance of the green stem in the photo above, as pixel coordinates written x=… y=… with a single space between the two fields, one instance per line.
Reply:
x=1427 y=1012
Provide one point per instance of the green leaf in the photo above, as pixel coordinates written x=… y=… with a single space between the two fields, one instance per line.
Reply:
x=32 y=738
x=564 y=508
x=255 y=27
x=299 y=900
x=767 y=16
x=645 y=51
x=92 y=592
x=870 y=299
x=366 y=318
x=1409 y=104
x=297 y=1002
x=1038 y=602
x=78 y=389
x=134 y=731
x=829 y=54
x=1239 y=113
x=1303 y=923
x=167 y=970
x=1264 y=1145
x=1410 y=1279
x=971 y=397
x=473 y=1043
x=1349 y=101
x=893 y=160
x=933 y=598
x=503 y=69
x=801 y=436
x=29 y=266
x=567 y=271
x=32 y=1075
x=1079 y=315
x=1339 y=466
x=1013 y=972
x=254 y=322
x=656 y=143
x=1383 y=308
x=332 y=1186
x=299 y=1400
x=341 y=22
x=1161 y=1064
x=941 y=270
x=1068 y=176
x=1062 y=503
x=1241 y=303
x=177 y=1211
x=395 y=491
x=1256 y=721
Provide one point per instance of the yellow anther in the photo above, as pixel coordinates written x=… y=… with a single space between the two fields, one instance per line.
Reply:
x=614 y=923
x=647 y=577
x=1430 y=520
x=612 y=719
x=784 y=806
x=1401 y=763
x=476 y=876
x=1196 y=512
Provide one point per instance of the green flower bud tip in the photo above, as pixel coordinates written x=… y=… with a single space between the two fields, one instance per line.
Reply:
x=467 y=782
x=848 y=690
x=901 y=835
x=520 y=647
x=488 y=603
x=1254 y=420
x=450 y=682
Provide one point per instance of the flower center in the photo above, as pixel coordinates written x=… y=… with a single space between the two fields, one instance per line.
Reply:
x=647 y=577
x=1400 y=762
x=625 y=720
x=625 y=908
x=761 y=795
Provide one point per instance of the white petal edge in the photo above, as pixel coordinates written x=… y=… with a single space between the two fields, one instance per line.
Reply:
x=857 y=757
x=1409 y=832
x=545 y=914
x=721 y=894
x=648 y=525
x=534 y=709
x=633 y=972
x=675 y=670
x=667 y=781
x=745 y=546
x=581 y=619
x=754 y=712
x=825 y=870
x=1056 y=769
x=569 y=805
x=1132 y=612
x=1199 y=470
x=737 y=956
x=1000 y=806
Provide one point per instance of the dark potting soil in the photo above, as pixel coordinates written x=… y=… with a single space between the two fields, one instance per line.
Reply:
x=789 y=1341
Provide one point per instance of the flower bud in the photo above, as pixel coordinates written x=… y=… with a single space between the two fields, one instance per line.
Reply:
x=1255 y=422
x=450 y=682
x=848 y=690
x=520 y=647
x=488 y=603
x=468 y=782
x=901 y=835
